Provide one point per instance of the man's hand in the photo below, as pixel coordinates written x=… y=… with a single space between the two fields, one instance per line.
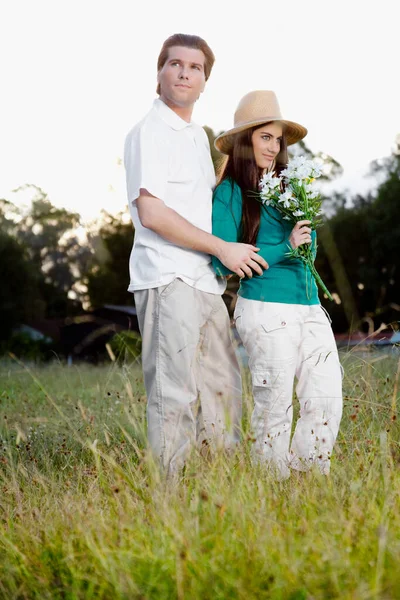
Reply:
x=242 y=259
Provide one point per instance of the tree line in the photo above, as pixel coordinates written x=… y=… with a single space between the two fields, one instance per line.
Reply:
x=51 y=269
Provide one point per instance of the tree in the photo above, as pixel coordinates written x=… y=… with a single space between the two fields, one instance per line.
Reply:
x=49 y=236
x=108 y=279
x=216 y=155
x=366 y=232
x=19 y=293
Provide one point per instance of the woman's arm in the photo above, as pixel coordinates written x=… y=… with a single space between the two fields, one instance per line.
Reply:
x=276 y=253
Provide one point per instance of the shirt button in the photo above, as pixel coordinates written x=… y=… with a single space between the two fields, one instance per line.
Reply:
x=264 y=381
x=283 y=323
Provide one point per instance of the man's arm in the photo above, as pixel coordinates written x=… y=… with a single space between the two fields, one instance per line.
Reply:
x=155 y=215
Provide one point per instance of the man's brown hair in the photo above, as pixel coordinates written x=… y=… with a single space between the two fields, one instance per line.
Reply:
x=186 y=41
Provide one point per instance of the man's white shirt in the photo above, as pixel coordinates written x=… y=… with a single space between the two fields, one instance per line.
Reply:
x=170 y=158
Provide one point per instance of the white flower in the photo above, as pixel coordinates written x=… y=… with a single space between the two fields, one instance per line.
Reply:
x=287 y=218
x=298 y=213
x=288 y=173
x=298 y=161
x=286 y=198
x=316 y=168
x=300 y=168
x=303 y=172
x=269 y=181
x=266 y=195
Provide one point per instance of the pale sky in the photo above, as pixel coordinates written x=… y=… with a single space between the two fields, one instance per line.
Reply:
x=77 y=75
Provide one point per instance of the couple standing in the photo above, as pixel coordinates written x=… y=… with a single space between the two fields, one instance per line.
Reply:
x=188 y=238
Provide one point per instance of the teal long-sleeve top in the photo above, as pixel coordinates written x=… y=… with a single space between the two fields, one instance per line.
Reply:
x=286 y=280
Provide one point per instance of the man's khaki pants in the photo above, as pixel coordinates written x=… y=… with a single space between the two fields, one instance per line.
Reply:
x=191 y=373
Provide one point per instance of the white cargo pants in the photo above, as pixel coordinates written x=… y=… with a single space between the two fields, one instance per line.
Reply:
x=187 y=355
x=284 y=341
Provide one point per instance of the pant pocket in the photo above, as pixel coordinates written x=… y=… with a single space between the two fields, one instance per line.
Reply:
x=169 y=288
x=327 y=314
x=274 y=323
x=237 y=315
x=269 y=379
x=319 y=317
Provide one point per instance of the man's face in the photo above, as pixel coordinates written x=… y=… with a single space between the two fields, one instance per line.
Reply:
x=182 y=77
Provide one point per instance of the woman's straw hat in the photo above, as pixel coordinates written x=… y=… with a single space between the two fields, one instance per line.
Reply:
x=256 y=108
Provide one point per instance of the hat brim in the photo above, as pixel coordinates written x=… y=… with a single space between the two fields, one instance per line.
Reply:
x=293 y=132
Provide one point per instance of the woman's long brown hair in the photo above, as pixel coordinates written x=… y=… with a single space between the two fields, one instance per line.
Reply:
x=241 y=167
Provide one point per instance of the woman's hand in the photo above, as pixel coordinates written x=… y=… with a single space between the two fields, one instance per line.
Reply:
x=301 y=234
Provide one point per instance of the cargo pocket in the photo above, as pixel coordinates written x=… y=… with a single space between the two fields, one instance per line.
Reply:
x=268 y=378
x=274 y=323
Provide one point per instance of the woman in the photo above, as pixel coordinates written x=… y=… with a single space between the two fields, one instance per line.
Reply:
x=279 y=318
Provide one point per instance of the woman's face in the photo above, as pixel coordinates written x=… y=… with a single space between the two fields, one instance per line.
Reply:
x=267 y=143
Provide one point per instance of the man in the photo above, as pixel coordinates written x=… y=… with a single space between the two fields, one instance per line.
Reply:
x=187 y=352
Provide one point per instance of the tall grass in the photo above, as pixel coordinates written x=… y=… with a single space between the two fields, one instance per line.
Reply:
x=84 y=513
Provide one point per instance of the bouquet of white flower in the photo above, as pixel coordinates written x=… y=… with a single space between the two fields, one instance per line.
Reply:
x=295 y=196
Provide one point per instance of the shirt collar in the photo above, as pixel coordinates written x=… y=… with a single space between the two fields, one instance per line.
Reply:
x=169 y=116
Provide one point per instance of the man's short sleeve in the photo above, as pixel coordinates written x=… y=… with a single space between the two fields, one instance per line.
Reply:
x=146 y=163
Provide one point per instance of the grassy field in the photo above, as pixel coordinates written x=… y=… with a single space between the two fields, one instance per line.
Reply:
x=84 y=514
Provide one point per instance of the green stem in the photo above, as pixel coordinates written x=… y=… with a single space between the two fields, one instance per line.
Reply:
x=318 y=279
x=305 y=253
x=321 y=283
